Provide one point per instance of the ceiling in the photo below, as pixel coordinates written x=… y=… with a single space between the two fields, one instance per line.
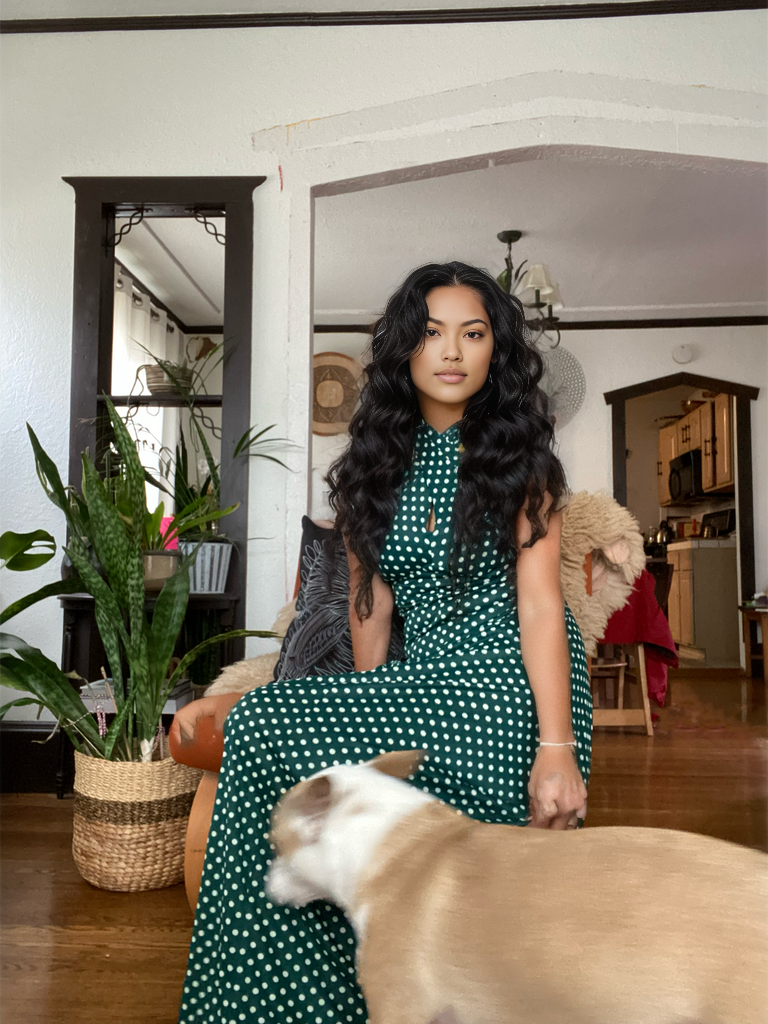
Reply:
x=180 y=263
x=141 y=8
x=625 y=239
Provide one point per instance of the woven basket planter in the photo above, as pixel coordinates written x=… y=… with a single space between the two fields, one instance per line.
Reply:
x=159 y=383
x=131 y=821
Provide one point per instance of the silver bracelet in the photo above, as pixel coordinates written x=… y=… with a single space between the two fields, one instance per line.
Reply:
x=544 y=743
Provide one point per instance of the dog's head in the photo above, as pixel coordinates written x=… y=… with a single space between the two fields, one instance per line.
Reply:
x=302 y=869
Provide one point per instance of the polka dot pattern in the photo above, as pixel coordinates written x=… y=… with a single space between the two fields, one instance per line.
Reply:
x=462 y=694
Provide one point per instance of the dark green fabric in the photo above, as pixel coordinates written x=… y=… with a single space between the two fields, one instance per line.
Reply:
x=462 y=694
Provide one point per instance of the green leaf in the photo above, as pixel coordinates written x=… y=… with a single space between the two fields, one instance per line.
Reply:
x=27 y=668
x=18 y=703
x=134 y=471
x=116 y=730
x=23 y=551
x=109 y=618
x=113 y=546
x=190 y=656
x=74 y=585
x=49 y=477
x=167 y=620
x=180 y=525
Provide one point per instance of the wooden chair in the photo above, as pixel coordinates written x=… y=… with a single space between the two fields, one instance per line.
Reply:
x=614 y=666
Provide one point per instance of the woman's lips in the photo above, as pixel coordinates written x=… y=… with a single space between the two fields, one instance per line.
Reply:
x=451 y=378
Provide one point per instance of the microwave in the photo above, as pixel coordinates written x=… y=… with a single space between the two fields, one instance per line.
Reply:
x=685 y=476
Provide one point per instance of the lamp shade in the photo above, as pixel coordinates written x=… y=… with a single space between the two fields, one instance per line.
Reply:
x=537 y=278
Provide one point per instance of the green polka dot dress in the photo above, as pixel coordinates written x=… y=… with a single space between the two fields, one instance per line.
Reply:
x=461 y=694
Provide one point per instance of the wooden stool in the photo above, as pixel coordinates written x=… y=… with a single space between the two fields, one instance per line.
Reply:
x=755 y=651
x=618 y=716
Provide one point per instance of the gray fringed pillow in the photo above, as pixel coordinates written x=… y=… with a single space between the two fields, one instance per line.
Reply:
x=318 y=641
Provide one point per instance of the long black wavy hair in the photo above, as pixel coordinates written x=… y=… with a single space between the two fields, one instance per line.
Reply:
x=507 y=437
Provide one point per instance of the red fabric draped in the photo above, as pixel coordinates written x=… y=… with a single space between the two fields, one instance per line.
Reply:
x=641 y=620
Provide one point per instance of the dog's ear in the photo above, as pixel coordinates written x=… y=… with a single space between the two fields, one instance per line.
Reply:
x=312 y=799
x=398 y=763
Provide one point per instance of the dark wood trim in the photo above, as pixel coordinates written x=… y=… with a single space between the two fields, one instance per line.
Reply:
x=670 y=321
x=745 y=498
x=320 y=19
x=91 y=327
x=598 y=325
x=185 y=195
x=27 y=765
x=177 y=401
x=619 y=451
x=95 y=202
x=674 y=380
x=236 y=386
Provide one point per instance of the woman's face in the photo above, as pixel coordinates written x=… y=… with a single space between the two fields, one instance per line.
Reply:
x=453 y=363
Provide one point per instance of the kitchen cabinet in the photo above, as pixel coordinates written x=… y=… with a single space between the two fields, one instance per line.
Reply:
x=709 y=428
x=703 y=599
x=668 y=450
x=707 y=446
x=689 y=432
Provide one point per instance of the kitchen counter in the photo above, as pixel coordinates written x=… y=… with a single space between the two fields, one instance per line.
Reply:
x=693 y=543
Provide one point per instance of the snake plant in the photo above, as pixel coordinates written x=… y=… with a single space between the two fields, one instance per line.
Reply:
x=105 y=546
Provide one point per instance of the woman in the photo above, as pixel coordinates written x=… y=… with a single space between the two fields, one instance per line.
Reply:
x=448 y=498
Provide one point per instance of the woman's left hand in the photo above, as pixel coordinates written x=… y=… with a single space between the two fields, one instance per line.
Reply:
x=558 y=796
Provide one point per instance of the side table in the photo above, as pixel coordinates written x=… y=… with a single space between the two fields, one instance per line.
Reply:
x=750 y=619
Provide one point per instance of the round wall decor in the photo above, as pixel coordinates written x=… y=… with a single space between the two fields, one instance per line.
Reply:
x=335 y=391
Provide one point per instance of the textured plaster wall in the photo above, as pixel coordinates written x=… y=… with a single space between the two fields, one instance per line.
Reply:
x=310 y=107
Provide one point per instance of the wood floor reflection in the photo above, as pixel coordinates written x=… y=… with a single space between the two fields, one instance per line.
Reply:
x=72 y=954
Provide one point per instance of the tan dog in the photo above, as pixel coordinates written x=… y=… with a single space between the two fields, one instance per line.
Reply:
x=462 y=922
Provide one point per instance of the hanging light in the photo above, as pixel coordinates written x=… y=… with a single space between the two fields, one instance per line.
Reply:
x=535 y=289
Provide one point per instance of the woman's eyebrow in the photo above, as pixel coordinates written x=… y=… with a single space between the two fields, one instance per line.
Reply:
x=465 y=324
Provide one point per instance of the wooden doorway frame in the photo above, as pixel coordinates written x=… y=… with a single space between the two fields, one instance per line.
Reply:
x=744 y=394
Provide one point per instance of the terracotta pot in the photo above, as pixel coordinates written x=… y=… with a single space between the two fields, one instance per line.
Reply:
x=158 y=567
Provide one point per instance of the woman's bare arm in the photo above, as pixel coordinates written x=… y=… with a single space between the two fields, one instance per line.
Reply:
x=557 y=791
x=370 y=637
x=543 y=638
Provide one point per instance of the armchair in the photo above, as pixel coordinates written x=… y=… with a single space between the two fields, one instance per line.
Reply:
x=599 y=538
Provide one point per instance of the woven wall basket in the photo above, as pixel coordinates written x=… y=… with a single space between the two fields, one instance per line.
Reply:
x=130 y=822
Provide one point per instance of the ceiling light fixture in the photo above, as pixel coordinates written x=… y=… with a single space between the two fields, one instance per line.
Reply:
x=535 y=289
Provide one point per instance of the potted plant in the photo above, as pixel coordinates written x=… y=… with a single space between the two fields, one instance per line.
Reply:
x=212 y=551
x=131 y=800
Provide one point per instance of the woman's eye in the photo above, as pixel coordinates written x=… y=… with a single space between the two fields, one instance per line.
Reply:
x=431 y=332
x=474 y=334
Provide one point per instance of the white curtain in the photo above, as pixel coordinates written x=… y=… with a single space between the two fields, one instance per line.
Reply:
x=141 y=333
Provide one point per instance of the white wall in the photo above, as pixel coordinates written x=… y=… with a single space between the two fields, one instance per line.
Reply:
x=309 y=107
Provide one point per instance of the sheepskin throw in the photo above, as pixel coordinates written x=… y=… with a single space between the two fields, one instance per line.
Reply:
x=598 y=525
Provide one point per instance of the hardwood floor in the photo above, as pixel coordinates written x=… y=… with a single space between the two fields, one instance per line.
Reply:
x=72 y=954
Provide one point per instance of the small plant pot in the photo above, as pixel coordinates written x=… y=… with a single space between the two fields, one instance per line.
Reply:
x=209 y=573
x=159 y=383
x=158 y=567
x=130 y=822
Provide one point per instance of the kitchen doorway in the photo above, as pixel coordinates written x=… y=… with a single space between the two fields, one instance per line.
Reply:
x=682 y=454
